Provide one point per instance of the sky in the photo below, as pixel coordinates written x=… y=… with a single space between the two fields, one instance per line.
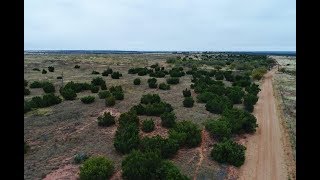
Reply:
x=166 y=25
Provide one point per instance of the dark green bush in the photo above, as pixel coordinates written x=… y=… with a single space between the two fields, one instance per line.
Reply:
x=219 y=75
x=154 y=65
x=253 y=89
x=152 y=83
x=139 y=109
x=68 y=94
x=95 y=72
x=186 y=93
x=129 y=118
x=50 y=99
x=110 y=101
x=80 y=158
x=26 y=91
x=127 y=138
x=98 y=81
x=147 y=125
x=188 y=102
x=107 y=72
x=36 y=69
x=206 y=96
x=115 y=89
x=168 y=119
x=218 y=105
x=143 y=72
x=186 y=133
x=235 y=94
x=95 y=89
x=44 y=71
x=249 y=101
x=173 y=80
x=96 y=168
x=157 y=109
x=219 y=128
x=48 y=87
x=59 y=77
x=106 y=119
x=229 y=152
x=76 y=66
x=104 y=94
x=167 y=147
x=116 y=75
x=136 y=81
x=25 y=83
x=150 y=98
x=51 y=69
x=103 y=86
x=240 y=121
x=164 y=86
x=36 y=84
x=87 y=99
x=40 y=102
x=118 y=95
x=169 y=171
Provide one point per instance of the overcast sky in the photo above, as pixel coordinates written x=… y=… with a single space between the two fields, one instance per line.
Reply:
x=199 y=25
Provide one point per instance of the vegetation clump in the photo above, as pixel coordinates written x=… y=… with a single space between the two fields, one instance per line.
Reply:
x=96 y=168
x=147 y=125
x=87 y=99
x=137 y=81
x=106 y=120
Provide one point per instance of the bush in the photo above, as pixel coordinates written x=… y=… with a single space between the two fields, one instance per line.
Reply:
x=40 y=102
x=95 y=72
x=26 y=91
x=59 y=77
x=186 y=93
x=106 y=119
x=25 y=83
x=142 y=71
x=219 y=128
x=98 y=81
x=235 y=94
x=253 y=89
x=44 y=71
x=249 y=101
x=150 y=99
x=94 y=89
x=186 y=134
x=118 y=95
x=68 y=94
x=152 y=83
x=206 y=96
x=129 y=117
x=219 y=75
x=229 y=152
x=168 y=119
x=50 y=99
x=138 y=165
x=258 y=73
x=36 y=69
x=51 y=69
x=36 y=84
x=139 y=109
x=173 y=80
x=104 y=94
x=48 y=87
x=147 y=125
x=116 y=75
x=103 y=86
x=88 y=99
x=110 y=101
x=157 y=109
x=107 y=72
x=218 y=105
x=127 y=138
x=136 y=81
x=240 y=121
x=188 y=102
x=169 y=171
x=80 y=158
x=96 y=168
x=167 y=147
x=76 y=66
x=116 y=88
x=164 y=86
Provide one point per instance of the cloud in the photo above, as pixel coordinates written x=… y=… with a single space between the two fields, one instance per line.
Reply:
x=161 y=25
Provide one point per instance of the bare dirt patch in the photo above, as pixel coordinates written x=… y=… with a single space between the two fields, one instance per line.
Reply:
x=70 y=172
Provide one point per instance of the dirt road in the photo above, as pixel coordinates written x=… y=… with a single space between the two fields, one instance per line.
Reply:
x=265 y=154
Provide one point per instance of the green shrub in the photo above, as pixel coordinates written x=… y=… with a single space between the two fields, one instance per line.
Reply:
x=157 y=109
x=143 y=72
x=136 y=81
x=104 y=94
x=103 y=86
x=173 y=80
x=168 y=170
x=249 y=101
x=188 y=102
x=253 y=89
x=206 y=96
x=118 y=95
x=152 y=83
x=229 y=152
x=150 y=99
x=96 y=168
x=95 y=72
x=106 y=120
x=128 y=118
x=219 y=75
x=26 y=91
x=116 y=75
x=127 y=138
x=168 y=119
x=51 y=69
x=25 y=83
x=167 y=147
x=59 y=77
x=235 y=94
x=44 y=71
x=68 y=94
x=154 y=65
x=87 y=99
x=138 y=165
x=40 y=102
x=147 y=125
x=107 y=72
x=94 y=89
x=50 y=99
x=219 y=128
x=48 y=87
x=258 y=73
x=98 y=81
x=36 y=84
x=186 y=134
x=240 y=121
x=115 y=88
x=186 y=93
x=164 y=86
x=80 y=158
x=110 y=101
x=218 y=105
x=76 y=66
x=139 y=109
x=36 y=69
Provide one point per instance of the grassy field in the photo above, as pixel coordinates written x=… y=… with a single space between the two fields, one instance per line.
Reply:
x=55 y=134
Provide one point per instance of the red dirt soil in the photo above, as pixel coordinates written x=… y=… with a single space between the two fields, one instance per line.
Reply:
x=70 y=172
x=265 y=152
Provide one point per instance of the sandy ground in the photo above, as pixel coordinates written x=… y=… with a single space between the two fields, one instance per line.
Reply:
x=265 y=153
